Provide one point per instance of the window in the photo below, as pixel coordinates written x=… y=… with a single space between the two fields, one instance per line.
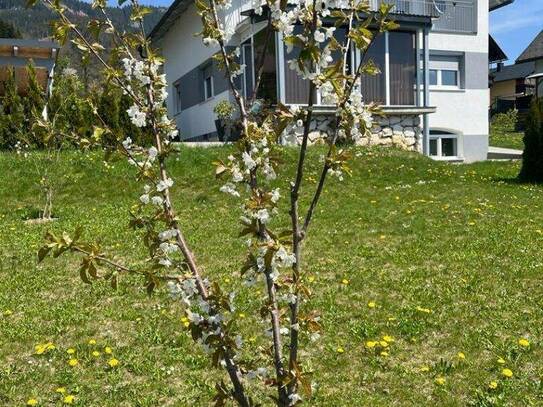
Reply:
x=445 y=72
x=443 y=145
x=208 y=81
x=177 y=97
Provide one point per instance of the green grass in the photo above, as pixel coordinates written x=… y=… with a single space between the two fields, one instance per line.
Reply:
x=450 y=254
x=506 y=139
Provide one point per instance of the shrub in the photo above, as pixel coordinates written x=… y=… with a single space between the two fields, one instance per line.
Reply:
x=505 y=122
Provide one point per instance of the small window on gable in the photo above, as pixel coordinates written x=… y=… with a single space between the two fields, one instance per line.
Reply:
x=177 y=97
x=445 y=72
x=208 y=81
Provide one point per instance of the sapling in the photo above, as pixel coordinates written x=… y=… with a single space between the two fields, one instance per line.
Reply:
x=274 y=258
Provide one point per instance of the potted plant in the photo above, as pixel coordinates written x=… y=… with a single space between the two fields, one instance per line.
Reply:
x=225 y=121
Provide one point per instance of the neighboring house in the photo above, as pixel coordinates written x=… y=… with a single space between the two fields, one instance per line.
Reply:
x=17 y=54
x=534 y=53
x=440 y=109
x=511 y=86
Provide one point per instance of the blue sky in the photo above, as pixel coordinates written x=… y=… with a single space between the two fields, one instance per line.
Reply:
x=513 y=26
x=516 y=25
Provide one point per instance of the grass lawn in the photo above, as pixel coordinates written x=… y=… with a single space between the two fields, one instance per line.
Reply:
x=506 y=139
x=444 y=258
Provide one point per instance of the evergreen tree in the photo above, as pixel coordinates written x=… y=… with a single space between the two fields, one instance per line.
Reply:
x=532 y=158
x=12 y=114
x=7 y=30
x=34 y=102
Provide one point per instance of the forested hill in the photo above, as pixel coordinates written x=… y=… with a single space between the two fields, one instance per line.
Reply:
x=35 y=22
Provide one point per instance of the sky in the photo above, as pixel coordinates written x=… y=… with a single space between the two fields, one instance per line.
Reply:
x=515 y=26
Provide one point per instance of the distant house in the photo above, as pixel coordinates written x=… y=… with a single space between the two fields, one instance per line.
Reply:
x=17 y=54
x=440 y=110
x=511 y=86
x=534 y=53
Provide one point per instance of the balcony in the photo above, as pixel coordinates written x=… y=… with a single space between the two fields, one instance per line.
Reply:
x=448 y=15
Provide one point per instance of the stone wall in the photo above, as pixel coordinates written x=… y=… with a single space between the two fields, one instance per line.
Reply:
x=403 y=131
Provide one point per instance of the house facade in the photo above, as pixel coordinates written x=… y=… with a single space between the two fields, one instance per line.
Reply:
x=433 y=86
x=534 y=54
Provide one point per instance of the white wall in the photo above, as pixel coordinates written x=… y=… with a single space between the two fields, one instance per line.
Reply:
x=465 y=111
x=183 y=52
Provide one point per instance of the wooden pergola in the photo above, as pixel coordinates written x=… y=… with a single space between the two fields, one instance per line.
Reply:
x=17 y=54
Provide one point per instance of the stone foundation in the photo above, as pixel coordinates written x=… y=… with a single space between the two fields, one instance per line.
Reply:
x=403 y=131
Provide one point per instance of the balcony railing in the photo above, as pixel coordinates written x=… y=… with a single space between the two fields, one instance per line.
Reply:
x=448 y=15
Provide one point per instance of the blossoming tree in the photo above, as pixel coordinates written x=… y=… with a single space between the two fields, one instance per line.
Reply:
x=274 y=258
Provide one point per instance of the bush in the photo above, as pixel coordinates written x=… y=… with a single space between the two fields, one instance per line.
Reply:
x=505 y=122
x=532 y=158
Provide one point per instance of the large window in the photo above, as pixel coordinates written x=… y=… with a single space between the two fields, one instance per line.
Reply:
x=395 y=85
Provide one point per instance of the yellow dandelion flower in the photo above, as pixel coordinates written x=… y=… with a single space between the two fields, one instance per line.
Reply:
x=8 y=312
x=391 y=319
x=524 y=342
x=388 y=338
x=108 y=350
x=384 y=344
x=311 y=279
x=372 y=304
x=69 y=399
x=113 y=362
x=241 y=315
x=345 y=281
x=32 y=402
x=340 y=350
x=71 y=351
x=507 y=372
x=73 y=362
x=383 y=353
x=60 y=390
x=493 y=385
x=92 y=341
x=461 y=355
x=440 y=380
x=501 y=361
x=95 y=353
x=424 y=369
x=425 y=310
x=371 y=344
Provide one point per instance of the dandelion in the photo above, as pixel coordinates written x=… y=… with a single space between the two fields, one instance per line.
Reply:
x=241 y=315
x=524 y=342
x=371 y=344
x=113 y=362
x=461 y=356
x=73 y=362
x=501 y=361
x=108 y=350
x=440 y=380
x=69 y=399
x=32 y=402
x=92 y=342
x=185 y=321
x=95 y=353
x=345 y=281
x=60 y=390
x=424 y=369
x=71 y=351
x=311 y=279
x=372 y=304
x=384 y=344
x=383 y=353
x=425 y=310
x=493 y=385
x=340 y=350
x=388 y=338
x=8 y=312
x=507 y=373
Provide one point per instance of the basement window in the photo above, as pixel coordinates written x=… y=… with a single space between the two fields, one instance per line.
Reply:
x=443 y=145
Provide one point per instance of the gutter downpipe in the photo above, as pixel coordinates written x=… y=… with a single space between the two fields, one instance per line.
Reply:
x=426 y=97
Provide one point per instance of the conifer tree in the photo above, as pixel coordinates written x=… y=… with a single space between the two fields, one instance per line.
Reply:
x=532 y=158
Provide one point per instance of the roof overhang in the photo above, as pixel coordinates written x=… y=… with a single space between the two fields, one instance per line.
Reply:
x=177 y=8
x=496 y=4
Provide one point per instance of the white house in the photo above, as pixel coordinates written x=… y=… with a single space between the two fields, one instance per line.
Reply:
x=440 y=109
